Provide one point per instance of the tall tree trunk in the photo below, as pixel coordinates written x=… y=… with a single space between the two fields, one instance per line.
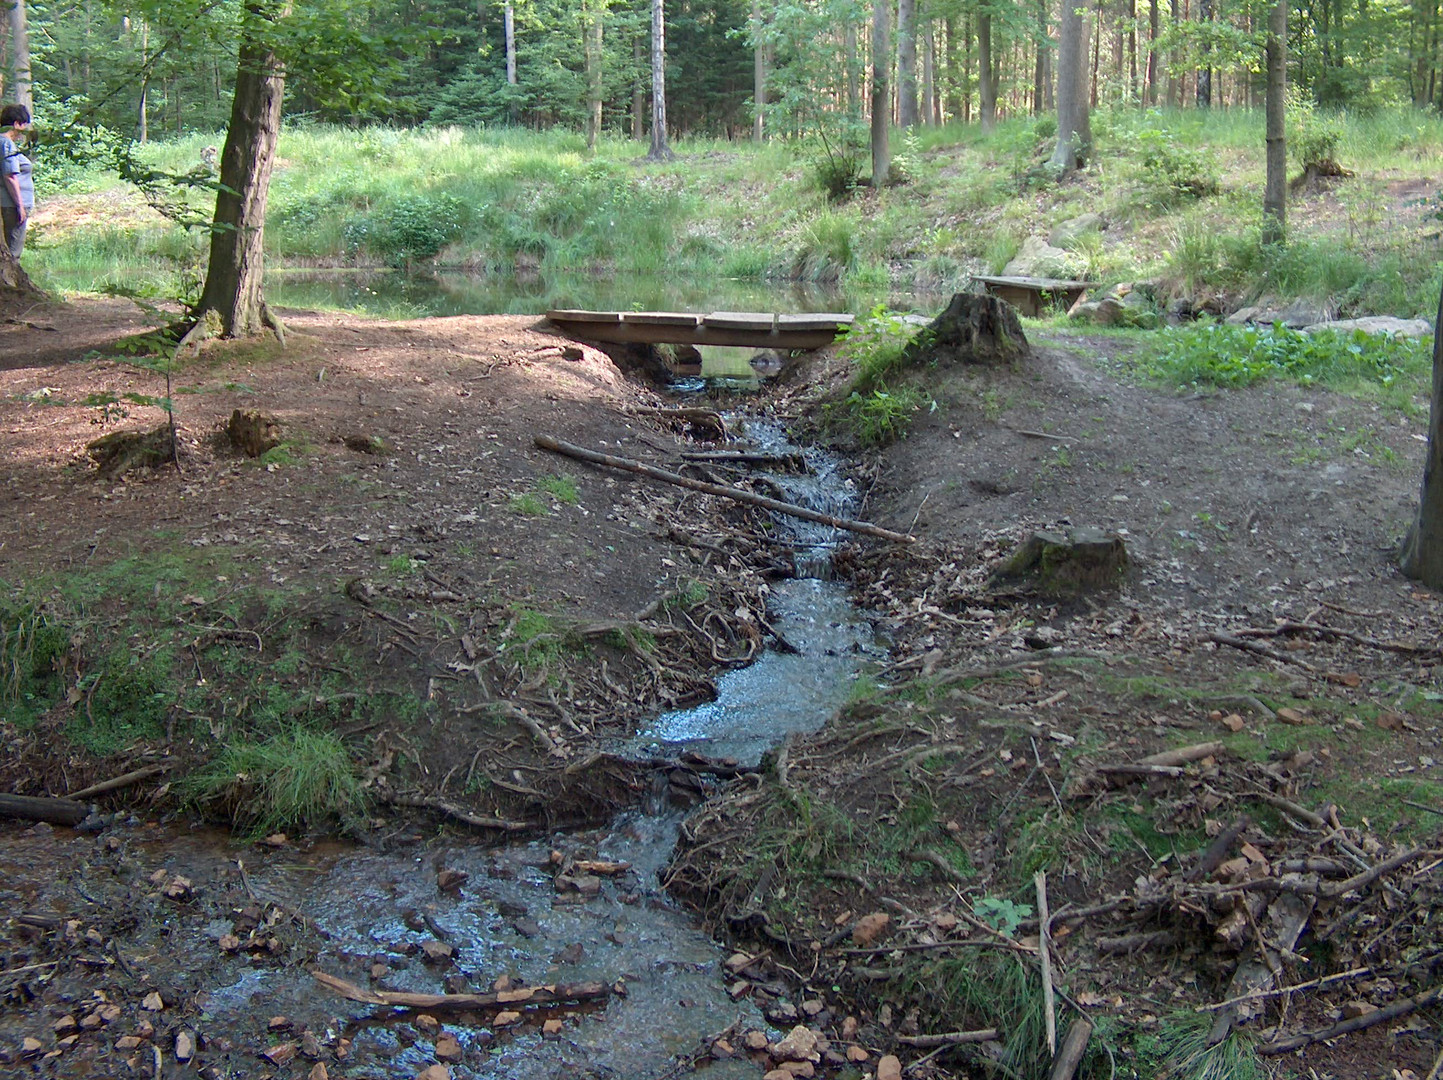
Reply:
x=142 y=120
x=594 y=55
x=1074 y=127
x=1132 y=49
x=660 y=150
x=233 y=278
x=907 y=63
x=20 y=55
x=953 y=95
x=638 y=91
x=759 y=75
x=1154 y=26
x=1204 y=72
x=930 y=111
x=1096 y=56
x=510 y=30
x=1421 y=556
x=881 y=92
x=854 y=87
x=986 y=72
x=1039 y=61
x=1275 y=193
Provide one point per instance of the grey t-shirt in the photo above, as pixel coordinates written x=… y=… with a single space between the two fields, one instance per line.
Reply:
x=13 y=162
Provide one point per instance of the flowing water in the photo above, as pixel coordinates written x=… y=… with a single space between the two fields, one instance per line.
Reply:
x=381 y=907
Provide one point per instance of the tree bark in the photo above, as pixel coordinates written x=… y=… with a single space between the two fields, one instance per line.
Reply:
x=986 y=72
x=233 y=278
x=509 y=28
x=907 y=63
x=638 y=92
x=20 y=55
x=1422 y=553
x=1205 y=73
x=593 y=33
x=881 y=92
x=929 y=74
x=659 y=151
x=1154 y=26
x=1275 y=193
x=1074 y=128
x=1039 y=61
x=759 y=75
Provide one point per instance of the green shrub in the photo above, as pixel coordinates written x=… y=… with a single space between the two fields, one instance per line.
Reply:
x=880 y=417
x=562 y=488
x=407 y=228
x=875 y=345
x=296 y=777
x=125 y=700
x=32 y=645
x=1171 y=171
x=1219 y=355
x=1314 y=144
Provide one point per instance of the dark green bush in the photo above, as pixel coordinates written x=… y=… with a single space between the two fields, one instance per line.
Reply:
x=408 y=229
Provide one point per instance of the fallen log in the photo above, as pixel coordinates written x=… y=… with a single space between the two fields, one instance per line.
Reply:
x=794 y=462
x=1182 y=755
x=1074 y=1046
x=35 y=808
x=549 y=994
x=556 y=446
x=949 y=1038
x=450 y=810
x=1148 y=939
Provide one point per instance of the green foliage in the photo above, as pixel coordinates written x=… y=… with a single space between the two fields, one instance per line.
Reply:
x=881 y=417
x=875 y=345
x=562 y=488
x=528 y=505
x=1181 y=1051
x=990 y=989
x=407 y=229
x=126 y=699
x=534 y=638
x=295 y=777
x=1001 y=914
x=33 y=646
x=689 y=594
x=1170 y=170
x=1219 y=355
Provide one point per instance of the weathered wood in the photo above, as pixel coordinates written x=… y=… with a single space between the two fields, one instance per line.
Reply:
x=115 y=783
x=35 y=808
x=760 y=329
x=1032 y=296
x=550 y=994
x=1357 y=1023
x=949 y=1038
x=1074 y=1045
x=556 y=446
x=795 y=462
x=1183 y=754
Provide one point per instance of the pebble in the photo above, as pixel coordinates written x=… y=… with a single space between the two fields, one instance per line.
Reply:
x=184 y=1046
x=889 y=1068
x=448 y=1048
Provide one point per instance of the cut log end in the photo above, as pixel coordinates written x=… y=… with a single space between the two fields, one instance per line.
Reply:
x=1067 y=563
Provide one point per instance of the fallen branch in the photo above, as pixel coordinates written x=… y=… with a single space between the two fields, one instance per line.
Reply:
x=1142 y=770
x=1348 y=635
x=1074 y=1045
x=450 y=810
x=34 y=808
x=949 y=1038
x=1183 y=754
x=794 y=462
x=125 y=780
x=1131 y=942
x=556 y=446
x=1283 y=991
x=1261 y=650
x=550 y=994
x=1357 y=1023
x=1372 y=874
x=1044 y=955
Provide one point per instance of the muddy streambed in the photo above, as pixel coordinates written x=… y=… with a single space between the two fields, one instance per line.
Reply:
x=227 y=934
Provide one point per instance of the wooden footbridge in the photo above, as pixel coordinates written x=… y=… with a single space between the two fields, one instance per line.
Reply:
x=760 y=330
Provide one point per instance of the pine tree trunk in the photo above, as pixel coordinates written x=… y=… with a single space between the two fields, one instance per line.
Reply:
x=929 y=75
x=1153 y=27
x=907 y=63
x=881 y=92
x=20 y=55
x=1275 y=193
x=986 y=73
x=1422 y=553
x=593 y=33
x=854 y=89
x=659 y=151
x=759 y=76
x=1205 y=73
x=1074 y=128
x=638 y=92
x=1039 y=61
x=509 y=27
x=233 y=279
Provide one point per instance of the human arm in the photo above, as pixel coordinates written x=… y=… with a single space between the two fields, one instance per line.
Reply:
x=12 y=185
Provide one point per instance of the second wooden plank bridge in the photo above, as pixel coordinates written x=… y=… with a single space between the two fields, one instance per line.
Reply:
x=762 y=330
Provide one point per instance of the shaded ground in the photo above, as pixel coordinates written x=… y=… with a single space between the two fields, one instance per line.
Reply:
x=474 y=635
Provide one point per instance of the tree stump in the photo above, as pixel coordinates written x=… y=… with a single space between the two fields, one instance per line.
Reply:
x=975 y=329
x=252 y=432
x=1067 y=563
x=121 y=451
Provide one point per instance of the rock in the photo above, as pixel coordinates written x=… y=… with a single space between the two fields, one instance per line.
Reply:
x=437 y=951
x=1301 y=313
x=1105 y=312
x=434 y=1072
x=721 y=1050
x=766 y=363
x=283 y=1054
x=1244 y=315
x=1233 y=722
x=889 y=1068
x=869 y=928
x=777 y=1074
x=849 y=1027
x=738 y=962
x=379 y=971
x=572 y=954
x=1375 y=324
x=1179 y=310
x=145 y=1029
x=253 y=432
x=311 y=1046
x=128 y=1042
x=803 y=1069
x=800 y=1044
x=30 y=1046
x=1066 y=234
x=1354 y=1009
x=278 y=1023
x=427 y=1023
x=755 y=1040
x=91 y=1021
x=857 y=1054
x=179 y=888
x=451 y=880
x=1038 y=258
x=184 y=1046
x=319 y=1072
x=552 y=1027
x=1067 y=563
x=66 y=1025
x=812 y=1006
x=448 y=1049
x=506 y=1018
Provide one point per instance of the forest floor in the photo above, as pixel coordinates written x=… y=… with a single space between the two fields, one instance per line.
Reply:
x=478 y=621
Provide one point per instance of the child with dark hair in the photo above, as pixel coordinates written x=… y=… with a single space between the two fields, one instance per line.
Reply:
x=17 y=186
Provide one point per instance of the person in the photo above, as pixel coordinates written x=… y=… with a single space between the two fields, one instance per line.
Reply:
x=17 y=186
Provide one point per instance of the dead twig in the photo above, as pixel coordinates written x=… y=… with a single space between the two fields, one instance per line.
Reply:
x=1282 y=991
x=550 y=994
x=1261 y=650
x=1356 y=1023
x=949 y=1038
x=1044 y=955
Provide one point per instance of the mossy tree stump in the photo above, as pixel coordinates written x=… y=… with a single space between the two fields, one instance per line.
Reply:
x=122 y=451
x=253 y=433
x=975 y=329
x=1067 y=562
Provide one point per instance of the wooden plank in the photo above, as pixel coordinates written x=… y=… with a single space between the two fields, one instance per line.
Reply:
x=577 y=315
x=635 y=333
x=741 y=320
x=1041 y=284
x=660 y=318
x=816 y=321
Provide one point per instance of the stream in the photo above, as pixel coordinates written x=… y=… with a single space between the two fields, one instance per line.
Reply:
x=374 y=913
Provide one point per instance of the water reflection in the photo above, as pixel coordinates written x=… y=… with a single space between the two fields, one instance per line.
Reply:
x=395 y=294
